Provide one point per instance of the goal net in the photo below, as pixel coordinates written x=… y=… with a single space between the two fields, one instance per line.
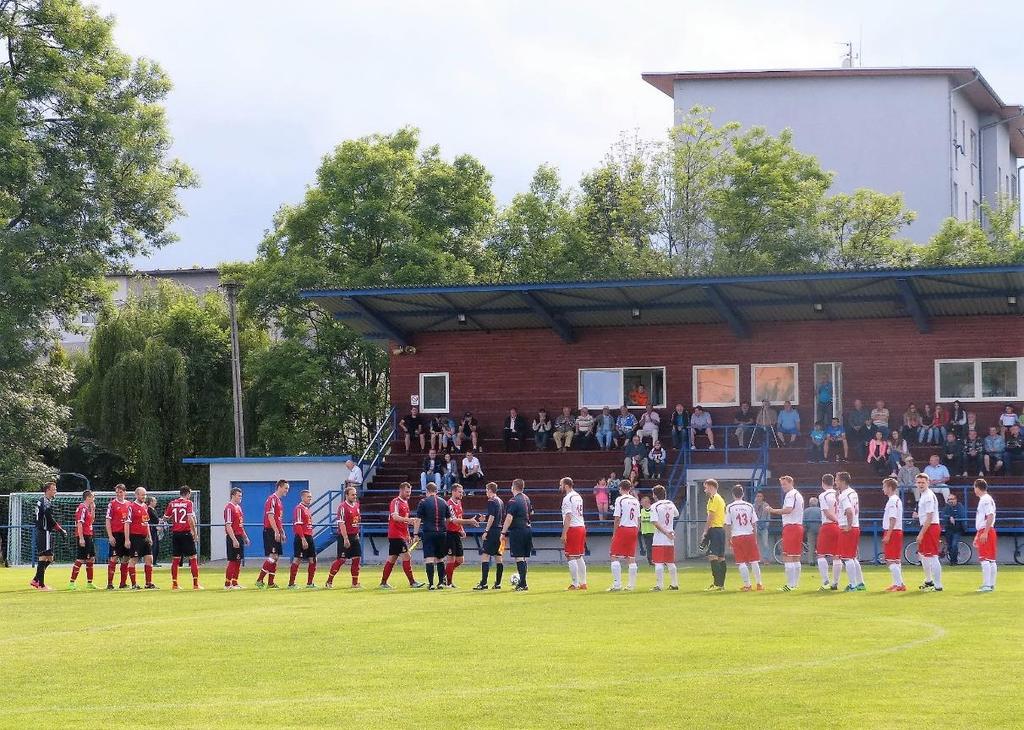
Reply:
x=21 y=533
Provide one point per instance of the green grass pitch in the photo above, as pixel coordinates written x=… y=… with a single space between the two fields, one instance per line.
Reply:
x=546 y=658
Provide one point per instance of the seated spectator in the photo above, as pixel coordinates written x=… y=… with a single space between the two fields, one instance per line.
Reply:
x=584 y=429
x=431 y=470
x=564 y=428
x=700 y=423
x=858 y=427
x=789 y=423
x=898 y=449
x=954 y=524
x=625 y=426
x=972 y=453
x=1014 y=453
x=878 y=455
x=635 y=457
x=952 y=454
x=995 y=448
x=823 y=399
x=958 y=420
x=880 y=418
x=469 y=429
x=938 y=477
x=412 y=425
x=514 y=431
x=972 y=423
x=907 y=474
x=639 y=396
x=928 y=432
x=472 y=472
x=604 y=429
x=355 y=476
x=613 y=487
x=656 y=459
x=541 y=430
x=816 y=449
x=450 y=435
x=650 y=424
x=437 y=427
x=940 y=420
x=680 y=424
x=835 y=436
x=767 y=418
x=911 y=423
x=601 y=497
x=449 y=472
x=744 y=420
x=1008 y=419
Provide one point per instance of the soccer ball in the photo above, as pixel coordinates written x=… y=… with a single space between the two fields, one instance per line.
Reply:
x=514 y=580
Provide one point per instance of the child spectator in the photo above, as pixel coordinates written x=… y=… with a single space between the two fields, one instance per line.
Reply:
x=613 y=488
x=816 y=449
x=646 y=528
x=601 y=497
x=656 y=459
x=1008 y=419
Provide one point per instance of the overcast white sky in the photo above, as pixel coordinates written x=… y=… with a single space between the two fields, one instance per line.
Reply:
x=264 y=89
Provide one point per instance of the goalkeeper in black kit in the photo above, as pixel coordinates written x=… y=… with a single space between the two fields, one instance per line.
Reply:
x=46 y=526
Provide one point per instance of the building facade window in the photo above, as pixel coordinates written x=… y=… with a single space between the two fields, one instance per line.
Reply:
x=716 y=385
x=775 y=382
x=434 y=392
x=615 y=387
x=994 y=379
x=974 y=155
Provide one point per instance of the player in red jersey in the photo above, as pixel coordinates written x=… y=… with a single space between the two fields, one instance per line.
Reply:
x=349 y=543
x=117 y=518
x=398 y=537
x=303 y=547
x=455 y=532
x=184 y=536
x=84 y=516
x=139 y=539
x=236 y=538
x=273 y=533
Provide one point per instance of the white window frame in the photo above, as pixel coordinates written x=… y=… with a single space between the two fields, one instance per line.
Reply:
x=977 y=361
x=447 y=393
x=736 y=382
x=622 y=393
x=796 y=381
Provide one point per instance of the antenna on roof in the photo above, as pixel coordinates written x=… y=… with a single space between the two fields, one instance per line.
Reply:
x=850 y=59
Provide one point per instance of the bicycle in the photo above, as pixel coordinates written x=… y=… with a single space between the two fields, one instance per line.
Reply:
x=777 y=551
x=964 y=553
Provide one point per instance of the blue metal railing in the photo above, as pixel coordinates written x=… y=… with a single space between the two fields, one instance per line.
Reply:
x=378 y=446
x=725 y=454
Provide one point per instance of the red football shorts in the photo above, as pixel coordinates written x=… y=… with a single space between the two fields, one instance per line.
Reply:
x=576 y=541
x=828 y=539
x=624 y=543
x=848 y=545
x=744 y=549
x=928 y=547
x=894 y=548
x=792 y=539
x=987 y=549
x=663 y=553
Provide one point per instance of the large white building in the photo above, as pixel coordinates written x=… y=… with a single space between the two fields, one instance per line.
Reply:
x=940 y=136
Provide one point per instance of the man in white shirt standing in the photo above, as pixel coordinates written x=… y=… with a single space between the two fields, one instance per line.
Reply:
x=663 y=552
x=985 y=537
x=848 y=515
x=574 y=534
x=892 y=537
x=741 y=521
x=928 y=538
x=828 y=535
x=627 y=526
x=792 y=511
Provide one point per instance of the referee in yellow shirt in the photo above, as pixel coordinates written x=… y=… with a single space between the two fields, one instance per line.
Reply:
x=714 y=535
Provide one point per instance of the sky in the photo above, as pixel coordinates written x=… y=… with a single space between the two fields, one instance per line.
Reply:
x=263 y=90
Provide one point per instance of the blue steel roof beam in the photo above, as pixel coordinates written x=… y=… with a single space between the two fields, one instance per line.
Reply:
x=395 y=334
x=537 y=306
x=469 y=317
x=725 y=309
x=914 y=306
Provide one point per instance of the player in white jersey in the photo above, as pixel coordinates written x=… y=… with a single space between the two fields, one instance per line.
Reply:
x=848 y=515
x=740 y=522
x=627 y=526
x=927 y=515
x=892 y=537
x=574 y=534
x=985 y=535
x=828 y=536
x=792 y=511
x=663 y=553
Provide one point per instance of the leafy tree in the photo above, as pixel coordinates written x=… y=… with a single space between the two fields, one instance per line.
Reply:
x=968 y=243
x=859 y=231
x=85 y=180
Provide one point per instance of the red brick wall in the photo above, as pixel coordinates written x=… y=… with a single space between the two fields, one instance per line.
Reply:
x=886 y=359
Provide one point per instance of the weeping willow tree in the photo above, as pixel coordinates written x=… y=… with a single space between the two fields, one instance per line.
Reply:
x=157 y=384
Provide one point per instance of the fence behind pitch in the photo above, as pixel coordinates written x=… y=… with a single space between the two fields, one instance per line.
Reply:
x=21 y=534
